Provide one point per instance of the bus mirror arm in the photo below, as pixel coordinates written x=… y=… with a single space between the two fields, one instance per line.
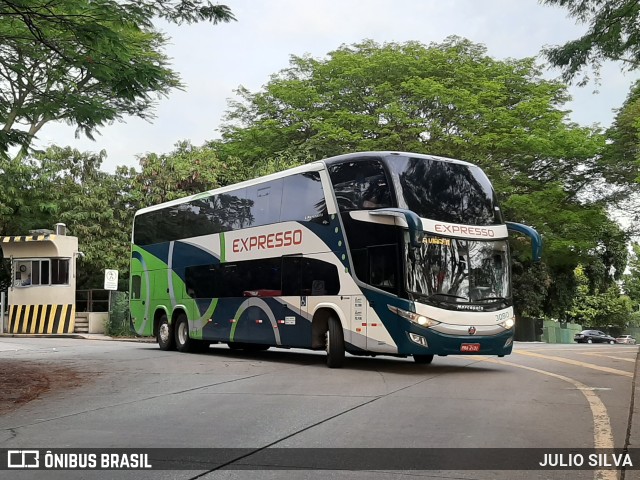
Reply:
x=536 y=238
x=414 y=224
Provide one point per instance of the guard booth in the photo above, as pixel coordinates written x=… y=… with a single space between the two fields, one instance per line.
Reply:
x=42 y=295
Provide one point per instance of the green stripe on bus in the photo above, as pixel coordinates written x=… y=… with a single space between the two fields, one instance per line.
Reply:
x=235 y=323
x=222 y=248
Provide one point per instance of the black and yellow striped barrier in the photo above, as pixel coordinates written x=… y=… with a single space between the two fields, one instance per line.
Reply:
x=46 y=319
x=28 y=238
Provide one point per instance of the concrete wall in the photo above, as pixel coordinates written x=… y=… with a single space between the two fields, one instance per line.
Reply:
x=91 y=322
x=556 y=332
x=97 y=321
x=528 y=329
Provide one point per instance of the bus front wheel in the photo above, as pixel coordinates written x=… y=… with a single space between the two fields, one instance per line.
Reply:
x=335 y=344
x=165 y=335
x=183 y=342
x=423 y=359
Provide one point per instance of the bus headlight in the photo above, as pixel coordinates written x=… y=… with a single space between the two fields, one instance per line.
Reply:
x=508 y=323
x=414 y=317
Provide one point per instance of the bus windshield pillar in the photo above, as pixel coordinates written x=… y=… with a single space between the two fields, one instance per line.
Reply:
x=416 y=234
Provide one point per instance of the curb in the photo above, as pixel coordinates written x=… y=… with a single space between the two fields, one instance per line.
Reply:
x=80 y=336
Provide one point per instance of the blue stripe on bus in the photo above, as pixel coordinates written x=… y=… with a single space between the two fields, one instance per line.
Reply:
x=439 y=344
x=247 y=329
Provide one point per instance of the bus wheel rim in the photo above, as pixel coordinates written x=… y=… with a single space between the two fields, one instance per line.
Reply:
x=182 y=333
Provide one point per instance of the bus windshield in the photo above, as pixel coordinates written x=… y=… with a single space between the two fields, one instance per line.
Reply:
x=446 y=191
x=454 y=270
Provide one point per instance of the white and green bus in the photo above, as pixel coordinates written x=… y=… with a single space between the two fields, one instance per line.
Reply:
x=375 y=253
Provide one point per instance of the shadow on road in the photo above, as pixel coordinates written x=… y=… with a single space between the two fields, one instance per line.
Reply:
x=396 y=365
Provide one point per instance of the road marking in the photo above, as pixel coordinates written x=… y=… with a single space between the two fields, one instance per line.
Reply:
x=575 y=348
x=633 y=360
x=602 y=435
x=579 y=364
x=593 y=389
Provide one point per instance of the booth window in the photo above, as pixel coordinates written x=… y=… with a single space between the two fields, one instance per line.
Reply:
x=59 y=271
x=53 y=271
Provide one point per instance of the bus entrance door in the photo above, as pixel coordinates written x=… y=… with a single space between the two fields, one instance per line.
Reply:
x=291 y=301
x=140 y=297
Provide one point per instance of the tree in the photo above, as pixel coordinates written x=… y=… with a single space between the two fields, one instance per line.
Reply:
x=450 y=99
x=85 y=62
x=599 y=308
x=621 y=159
x=187 y=170
x=631 y=285
x=613 y=34
x=631 y=280
x=65 y=185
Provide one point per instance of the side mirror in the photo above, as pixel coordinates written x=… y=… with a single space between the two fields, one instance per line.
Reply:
x=414 y=224
x=536 y=238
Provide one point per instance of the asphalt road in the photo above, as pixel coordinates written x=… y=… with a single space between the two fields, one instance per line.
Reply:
x=134 y=395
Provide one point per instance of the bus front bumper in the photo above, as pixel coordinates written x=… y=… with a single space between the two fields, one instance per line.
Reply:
x=422 y=341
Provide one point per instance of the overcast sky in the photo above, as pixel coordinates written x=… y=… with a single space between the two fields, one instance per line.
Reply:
x=215 y=60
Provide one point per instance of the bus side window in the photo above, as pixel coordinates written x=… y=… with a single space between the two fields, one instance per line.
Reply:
x=360 y=185
x=303 y=198
x=361 y=264
x=319 y=277
x=383 y=267
x=291 y=276
x=265 y=201
x=136 y=287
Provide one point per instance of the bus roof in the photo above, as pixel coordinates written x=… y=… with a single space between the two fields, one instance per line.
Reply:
x=309 y=167
x=382 y=154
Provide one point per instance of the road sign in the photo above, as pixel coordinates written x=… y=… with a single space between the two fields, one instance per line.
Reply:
x=111 y=279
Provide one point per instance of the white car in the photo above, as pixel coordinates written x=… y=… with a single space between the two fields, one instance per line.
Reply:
x=626 y=339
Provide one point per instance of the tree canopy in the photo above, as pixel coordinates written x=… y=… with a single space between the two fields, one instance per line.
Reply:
x=451 y=99
x=65 y=185
x=85 y=62
x=613 y=33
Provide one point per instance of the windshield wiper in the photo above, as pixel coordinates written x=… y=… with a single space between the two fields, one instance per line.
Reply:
x=490 y=299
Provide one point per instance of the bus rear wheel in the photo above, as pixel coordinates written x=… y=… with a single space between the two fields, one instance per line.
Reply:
x=423 y=359
x=335 y=344
x=183 y=342
x=165 y=335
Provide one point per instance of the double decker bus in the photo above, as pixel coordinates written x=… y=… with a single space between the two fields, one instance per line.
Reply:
x=374 y=253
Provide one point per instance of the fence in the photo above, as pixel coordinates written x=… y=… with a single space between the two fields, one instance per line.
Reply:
x=114 y=302
x=3 y=306
x=557 y=332
x=92 y=300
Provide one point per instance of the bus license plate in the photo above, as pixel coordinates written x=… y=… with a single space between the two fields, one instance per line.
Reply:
x=470 y=347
